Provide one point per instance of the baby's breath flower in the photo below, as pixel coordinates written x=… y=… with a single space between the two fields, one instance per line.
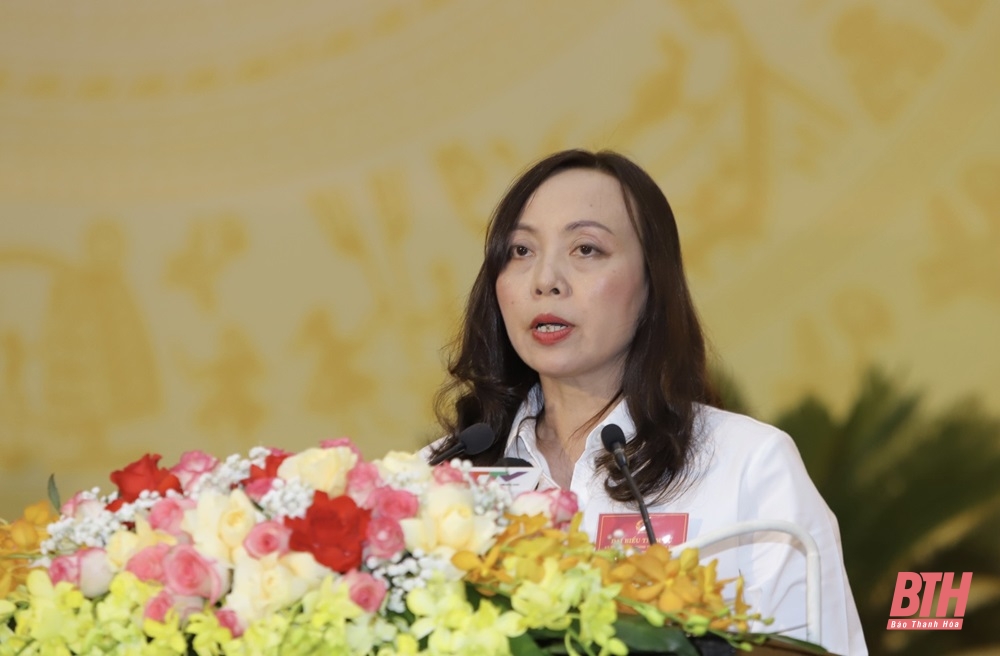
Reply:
x=290 y=498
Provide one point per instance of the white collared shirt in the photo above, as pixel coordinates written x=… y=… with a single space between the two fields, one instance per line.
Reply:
x=742 y=469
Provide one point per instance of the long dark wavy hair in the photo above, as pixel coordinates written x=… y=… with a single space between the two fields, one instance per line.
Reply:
x=665 y=371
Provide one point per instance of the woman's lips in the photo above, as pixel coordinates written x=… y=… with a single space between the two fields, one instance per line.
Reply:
x=548 y=329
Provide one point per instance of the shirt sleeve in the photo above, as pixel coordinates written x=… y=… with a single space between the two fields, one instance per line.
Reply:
x=775 y=485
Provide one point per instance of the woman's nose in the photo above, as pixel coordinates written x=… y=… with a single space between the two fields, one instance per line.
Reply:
x=548 y=278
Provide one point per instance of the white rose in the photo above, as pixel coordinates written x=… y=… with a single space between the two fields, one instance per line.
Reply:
x=266 y=585
x=219 y=523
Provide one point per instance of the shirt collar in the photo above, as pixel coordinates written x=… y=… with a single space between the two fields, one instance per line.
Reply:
x=523 y=426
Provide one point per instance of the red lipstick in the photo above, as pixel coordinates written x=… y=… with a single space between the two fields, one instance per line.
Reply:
x=548 y=329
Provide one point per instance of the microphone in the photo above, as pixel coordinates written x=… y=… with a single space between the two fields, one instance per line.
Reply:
x=471 y=441
x=614 y=441
x=513 y=462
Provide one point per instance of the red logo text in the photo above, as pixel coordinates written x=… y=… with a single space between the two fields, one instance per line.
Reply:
x=914 y=598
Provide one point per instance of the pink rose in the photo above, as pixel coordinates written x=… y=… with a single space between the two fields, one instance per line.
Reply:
x=385 y=537
x=65 y=568
x=158 y=607
x=187 y=572
x=365 y=590
x=193 y=465
x=81 y=507
x=229 y=619
x=362 y=481
x=167 y=514
x=267 y=537
x=394 y=504
x=341 y=441
x=147 y=564
x=445 y=473
x=88 y=569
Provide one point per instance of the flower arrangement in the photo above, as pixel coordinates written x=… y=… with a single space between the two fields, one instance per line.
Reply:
x=324 y=552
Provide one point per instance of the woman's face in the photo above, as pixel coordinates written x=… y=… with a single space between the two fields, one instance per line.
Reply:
x=574 y=285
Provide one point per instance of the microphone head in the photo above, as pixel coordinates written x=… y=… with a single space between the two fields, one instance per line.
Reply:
x=613 y=437
x=476 y=438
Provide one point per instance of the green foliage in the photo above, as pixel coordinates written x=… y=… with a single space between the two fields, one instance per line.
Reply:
x=913 y=490
x=642 y=637
x=53 y=492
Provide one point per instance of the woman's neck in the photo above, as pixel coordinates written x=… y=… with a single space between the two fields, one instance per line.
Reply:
x=569 y=414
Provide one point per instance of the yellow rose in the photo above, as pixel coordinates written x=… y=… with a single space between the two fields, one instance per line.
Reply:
x=448 y=523
x=238 y=517
x=323 y=469
x=411 y=464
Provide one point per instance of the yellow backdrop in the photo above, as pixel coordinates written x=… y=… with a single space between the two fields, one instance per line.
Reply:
x=234 y=223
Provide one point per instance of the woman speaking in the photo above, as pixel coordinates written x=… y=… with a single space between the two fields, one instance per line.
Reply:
x=581 y=318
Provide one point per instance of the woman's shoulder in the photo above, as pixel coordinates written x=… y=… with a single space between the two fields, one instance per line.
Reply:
x=734 y=433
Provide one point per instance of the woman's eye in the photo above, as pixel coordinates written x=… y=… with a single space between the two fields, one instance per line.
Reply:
x=518 y=251
x=587 y=249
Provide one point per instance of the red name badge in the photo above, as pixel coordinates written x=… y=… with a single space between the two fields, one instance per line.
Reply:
x=627 y=529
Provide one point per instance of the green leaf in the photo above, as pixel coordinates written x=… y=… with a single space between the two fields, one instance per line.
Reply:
x=525 y=645
x=641 y=636
x=801 y=645
x=54 y=493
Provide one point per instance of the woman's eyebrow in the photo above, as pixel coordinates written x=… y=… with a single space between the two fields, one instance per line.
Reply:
x=575 y=225
x=587 y=223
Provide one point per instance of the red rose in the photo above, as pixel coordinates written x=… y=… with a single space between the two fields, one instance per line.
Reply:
x=142 y=475
x=270 y=468
x=333 y=531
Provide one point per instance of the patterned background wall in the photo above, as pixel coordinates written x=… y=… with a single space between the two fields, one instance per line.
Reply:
x=232 y=223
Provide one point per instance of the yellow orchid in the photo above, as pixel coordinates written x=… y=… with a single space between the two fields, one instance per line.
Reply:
x=167 y=637
x=20 y=542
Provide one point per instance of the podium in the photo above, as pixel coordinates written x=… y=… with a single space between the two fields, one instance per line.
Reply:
x=715 y=646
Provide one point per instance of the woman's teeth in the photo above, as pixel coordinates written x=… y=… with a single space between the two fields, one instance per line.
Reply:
x=549 y=327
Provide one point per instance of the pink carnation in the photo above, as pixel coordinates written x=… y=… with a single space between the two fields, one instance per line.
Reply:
x=147 y=564
x=365 y=590
x=362 y=481
x=188 y=573
x=564 y=507
x=267 y=537
x=559 y=506
x=157 y=607
x=394 y=504
x=445 y=473
x=193 y=465
x=385 y=537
